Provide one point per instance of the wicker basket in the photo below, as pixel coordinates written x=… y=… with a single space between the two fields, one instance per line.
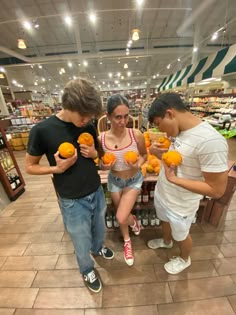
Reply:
x=154 y=136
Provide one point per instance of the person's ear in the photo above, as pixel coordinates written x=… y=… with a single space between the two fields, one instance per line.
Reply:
x=170 y=114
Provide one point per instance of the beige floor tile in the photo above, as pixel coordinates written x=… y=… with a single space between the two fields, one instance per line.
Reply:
x=225 y=266
x=2 y=261
x=232 y=300
x=228 y=250
x=12 y=249
x=9 y=311
x=231 y=215
x=8 y=220
x=21 y=228
x=49 y=312
x=38 y=218
x=208 y=238
x=58 y=279
x=218 y=306
x=55 y=227
x=68 y=298
x=230 y=236
x=127 y=275
x=18 y=297
x=141 y=257
x=136 y=310
x=40 y=237
x=198 y=269
x=205 y=252
x=36 y=212
x=30 y=263
x=136 y=294
x=14 y=279
x=56 y=248
x=198 y=289
x=8 y=238
x=7 y=212
x=67 y=262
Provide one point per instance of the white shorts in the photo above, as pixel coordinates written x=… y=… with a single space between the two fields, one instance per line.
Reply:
x=180 y=225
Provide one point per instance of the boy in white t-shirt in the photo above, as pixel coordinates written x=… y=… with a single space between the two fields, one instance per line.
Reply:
x=203 y=171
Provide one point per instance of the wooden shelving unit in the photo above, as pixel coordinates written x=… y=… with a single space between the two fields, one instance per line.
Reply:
x=13 y=190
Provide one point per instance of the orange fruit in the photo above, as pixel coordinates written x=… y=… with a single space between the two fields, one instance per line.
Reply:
x=149 y=168
x=144 y=170
x=85 y=138
x=147 y=142
x=146 y=135
x=96 y=161
x=156 y=170
x=66 y=150
x=164 y=142
x=155 y=163
x=172 y=157
x=151 y=157
x=131 y=157
x=108 y=158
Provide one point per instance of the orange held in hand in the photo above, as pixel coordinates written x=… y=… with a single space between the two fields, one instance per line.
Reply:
x=172 y=158
x=108 y=158
x=66 y=150
x=131 y=157
x=85 y=138
x=164 y=142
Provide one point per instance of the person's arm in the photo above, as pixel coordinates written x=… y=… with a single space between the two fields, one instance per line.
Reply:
x=213 y=186
x=33 y=166
x=156 y=150
x=141 y=147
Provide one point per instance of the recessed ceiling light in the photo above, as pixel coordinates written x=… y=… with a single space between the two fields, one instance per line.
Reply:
x=195 y=49
x=68 y=20
x=69 y=64
x=126 y=66
x=85 y=63
x=92 y=17
x=27 y=25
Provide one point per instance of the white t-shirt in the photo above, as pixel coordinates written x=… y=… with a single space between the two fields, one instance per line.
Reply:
x=203 y=149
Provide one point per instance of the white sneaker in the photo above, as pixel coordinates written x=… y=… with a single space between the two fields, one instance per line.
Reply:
x=176 y=265
x=159 y=243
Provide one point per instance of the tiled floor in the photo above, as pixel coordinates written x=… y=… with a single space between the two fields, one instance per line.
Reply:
x=39 y=274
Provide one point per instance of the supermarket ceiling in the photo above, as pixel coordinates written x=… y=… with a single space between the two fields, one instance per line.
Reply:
x=64 y=41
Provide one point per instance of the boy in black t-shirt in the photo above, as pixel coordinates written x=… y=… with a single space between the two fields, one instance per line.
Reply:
x=76 y=179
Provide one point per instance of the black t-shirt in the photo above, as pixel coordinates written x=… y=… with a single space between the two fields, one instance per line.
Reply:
x=82 y=178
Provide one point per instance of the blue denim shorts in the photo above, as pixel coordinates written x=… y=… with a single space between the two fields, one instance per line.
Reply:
x=116 y=184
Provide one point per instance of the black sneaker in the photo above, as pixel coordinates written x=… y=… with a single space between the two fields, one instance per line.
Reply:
x=92 y=281
x=106 y=253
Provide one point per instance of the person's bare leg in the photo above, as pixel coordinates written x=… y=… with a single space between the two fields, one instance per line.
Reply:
x=166 y=232
x=185 y=247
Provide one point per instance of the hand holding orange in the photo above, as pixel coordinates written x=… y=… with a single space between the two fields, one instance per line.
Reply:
x=86 y=138
x=66 y=150
x=172 y=158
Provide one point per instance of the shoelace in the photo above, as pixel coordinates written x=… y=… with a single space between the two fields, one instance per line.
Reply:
x=103 y=250
x=135 y=228
x=128 y=250
x=91 y=276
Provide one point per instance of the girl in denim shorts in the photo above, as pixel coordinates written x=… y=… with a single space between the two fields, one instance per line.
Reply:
x=125 y=179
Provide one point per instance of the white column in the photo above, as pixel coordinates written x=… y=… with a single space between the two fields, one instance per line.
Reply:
x=3 y=107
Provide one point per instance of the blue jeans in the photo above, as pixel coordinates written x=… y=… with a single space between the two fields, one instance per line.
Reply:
x=84 y=220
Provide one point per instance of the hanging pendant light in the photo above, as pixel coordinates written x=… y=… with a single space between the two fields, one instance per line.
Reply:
x=135 y=34
x=21 y=44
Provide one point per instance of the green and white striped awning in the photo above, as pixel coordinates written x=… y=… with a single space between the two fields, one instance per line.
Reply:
x=218 y=64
